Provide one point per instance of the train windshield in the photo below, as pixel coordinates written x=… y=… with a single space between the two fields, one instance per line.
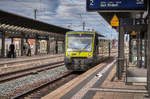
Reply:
x=79 y=42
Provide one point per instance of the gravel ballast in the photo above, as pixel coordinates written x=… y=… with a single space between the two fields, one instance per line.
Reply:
x=6 y=89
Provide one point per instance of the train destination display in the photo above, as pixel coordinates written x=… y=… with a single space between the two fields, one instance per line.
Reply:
x=121 y=5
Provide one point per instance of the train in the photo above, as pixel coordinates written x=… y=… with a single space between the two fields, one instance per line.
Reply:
x=82 y=50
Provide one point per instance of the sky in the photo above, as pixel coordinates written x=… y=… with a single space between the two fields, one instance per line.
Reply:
x=64 y=13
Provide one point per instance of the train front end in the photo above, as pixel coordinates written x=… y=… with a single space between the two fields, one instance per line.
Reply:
x=79 y=50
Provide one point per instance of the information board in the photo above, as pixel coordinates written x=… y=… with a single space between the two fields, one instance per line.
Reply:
x=116 y=5
x=130 y=21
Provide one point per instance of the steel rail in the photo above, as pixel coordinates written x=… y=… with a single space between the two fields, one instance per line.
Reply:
x=20 y=73
x=65 y=74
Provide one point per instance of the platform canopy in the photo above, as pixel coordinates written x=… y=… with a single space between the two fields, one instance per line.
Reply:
x=17 y=23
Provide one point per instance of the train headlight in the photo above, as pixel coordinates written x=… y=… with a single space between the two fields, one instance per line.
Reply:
x=89 y=54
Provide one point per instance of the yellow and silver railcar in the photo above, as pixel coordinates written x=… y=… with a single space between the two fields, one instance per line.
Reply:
x=81 y=50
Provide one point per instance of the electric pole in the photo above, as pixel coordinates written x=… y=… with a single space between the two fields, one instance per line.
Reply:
x=83 y=22
x=35 y=12
x=83 y=25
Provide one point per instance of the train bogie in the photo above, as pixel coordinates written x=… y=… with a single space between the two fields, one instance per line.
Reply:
x=79 y=64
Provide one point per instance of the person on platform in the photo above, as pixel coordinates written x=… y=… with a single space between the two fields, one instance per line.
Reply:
x=24 y=49
x=29 y=50
x=12 y=50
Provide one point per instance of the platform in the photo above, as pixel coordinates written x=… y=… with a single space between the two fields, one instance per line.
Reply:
x=26 y=58
x=97 y=84
x=136 y=75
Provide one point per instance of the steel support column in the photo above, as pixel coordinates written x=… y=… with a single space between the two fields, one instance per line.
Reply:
x=56 y=47
x=109 y=48
x=48 y=46
x=22 y=45
x=141 y=45
x=36 y=46
x=63 y=46
x=148 y=56
x=3 y=44
x=120 y=66
x=130 y=49
x=146 y=49
x=138 y=49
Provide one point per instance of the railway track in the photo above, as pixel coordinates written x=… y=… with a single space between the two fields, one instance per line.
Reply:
x=43 y=89
x=34 y=89
x=29 y=87
x=47 y=87
x=32 y=70
x=20 y=66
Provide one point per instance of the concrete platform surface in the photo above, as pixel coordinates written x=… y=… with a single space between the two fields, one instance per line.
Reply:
x=25 y=58
x=79 y=87
x=97 y=84
x=117 y=89
x=136 y=72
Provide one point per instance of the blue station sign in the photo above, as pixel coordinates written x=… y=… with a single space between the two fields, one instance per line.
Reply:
x=43 y=37
x=130 y=21
x=116 y=5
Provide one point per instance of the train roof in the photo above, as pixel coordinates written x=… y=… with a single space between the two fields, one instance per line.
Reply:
x=103 y=38
x=100 y=35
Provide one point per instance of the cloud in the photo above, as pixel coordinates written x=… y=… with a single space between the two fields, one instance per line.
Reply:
x=64 y=13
